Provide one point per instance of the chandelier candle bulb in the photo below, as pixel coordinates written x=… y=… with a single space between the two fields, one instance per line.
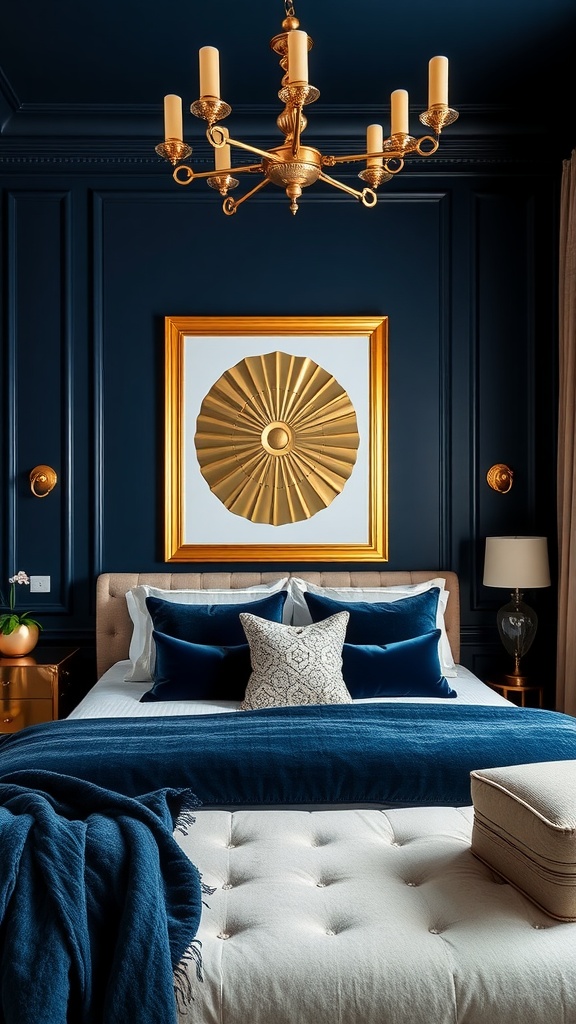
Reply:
x=374 y=143
x=209 y=59
x=173 y=117
x=438 y=81
x=222 y=155
x=399 y=112
x=297 y=56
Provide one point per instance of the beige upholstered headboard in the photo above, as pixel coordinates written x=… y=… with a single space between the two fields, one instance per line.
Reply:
x=114 y=627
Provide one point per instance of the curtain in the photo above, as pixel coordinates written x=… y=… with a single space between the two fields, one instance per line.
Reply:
x=566 y=666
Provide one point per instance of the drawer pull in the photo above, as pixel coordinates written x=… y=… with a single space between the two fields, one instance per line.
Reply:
x=5 y=682
x=7 y=721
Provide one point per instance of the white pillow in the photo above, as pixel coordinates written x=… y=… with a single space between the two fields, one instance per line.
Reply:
x=142 y=646
x=295 y=664
x=374 y=595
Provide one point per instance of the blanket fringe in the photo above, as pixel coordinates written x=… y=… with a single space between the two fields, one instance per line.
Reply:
x=184 y=821
x=182 y=983
x=186 y=816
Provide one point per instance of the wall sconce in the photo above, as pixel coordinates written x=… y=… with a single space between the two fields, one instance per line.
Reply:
x=43 y=479
x=500 y=478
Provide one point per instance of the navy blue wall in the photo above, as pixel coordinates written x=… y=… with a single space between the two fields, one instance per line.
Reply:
x=462 y=260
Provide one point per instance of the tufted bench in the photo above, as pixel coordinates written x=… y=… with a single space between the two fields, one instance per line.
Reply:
x=368 y=917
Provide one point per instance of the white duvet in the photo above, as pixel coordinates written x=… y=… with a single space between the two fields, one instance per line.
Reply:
x=114 y=697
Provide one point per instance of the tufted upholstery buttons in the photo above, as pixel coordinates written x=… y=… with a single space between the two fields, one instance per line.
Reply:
x=265 y=894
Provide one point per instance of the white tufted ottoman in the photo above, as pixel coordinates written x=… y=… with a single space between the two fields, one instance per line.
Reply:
x=368 y=917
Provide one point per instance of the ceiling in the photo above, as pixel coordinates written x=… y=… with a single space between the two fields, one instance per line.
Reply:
x=77 y=67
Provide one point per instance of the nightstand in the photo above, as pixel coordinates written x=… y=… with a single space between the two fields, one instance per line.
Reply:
x=510 y=690
x=31 y=687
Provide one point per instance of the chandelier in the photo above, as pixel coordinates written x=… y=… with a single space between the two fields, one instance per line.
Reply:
x=292 y=165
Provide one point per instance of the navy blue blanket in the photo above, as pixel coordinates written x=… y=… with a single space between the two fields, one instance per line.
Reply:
x=98 y=903
x=339 y=754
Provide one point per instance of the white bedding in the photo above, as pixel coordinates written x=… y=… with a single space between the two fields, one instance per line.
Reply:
x=114 y=697
x=351 y=915
x=324 y=915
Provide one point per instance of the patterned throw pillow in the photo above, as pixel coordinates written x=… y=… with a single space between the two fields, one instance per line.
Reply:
x=295 y=664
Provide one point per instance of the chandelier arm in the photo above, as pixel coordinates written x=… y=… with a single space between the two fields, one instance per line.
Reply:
x=191 y=175
x=231 y=205
x=246 y=169
x=330 y=161
x=345 y=188
x=395 y=170
x=435 y=143
x=186 y=171
x=251 y=149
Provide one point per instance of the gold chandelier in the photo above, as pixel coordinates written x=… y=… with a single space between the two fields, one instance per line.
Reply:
x=293 y=166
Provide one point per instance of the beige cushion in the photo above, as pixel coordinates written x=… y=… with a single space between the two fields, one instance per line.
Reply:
x=295 y=664
x=525 y=829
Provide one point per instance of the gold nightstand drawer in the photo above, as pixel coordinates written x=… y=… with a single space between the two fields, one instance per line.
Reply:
x=31 y=687
x=16 y=714
x=26 y=681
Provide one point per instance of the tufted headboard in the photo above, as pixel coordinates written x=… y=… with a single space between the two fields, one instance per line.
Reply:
x=114 y=627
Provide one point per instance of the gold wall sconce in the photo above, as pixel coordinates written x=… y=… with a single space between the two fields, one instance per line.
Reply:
x=43 y=479
x=500 y=478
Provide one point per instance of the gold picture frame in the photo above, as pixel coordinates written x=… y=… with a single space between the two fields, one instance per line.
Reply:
x=199 y=352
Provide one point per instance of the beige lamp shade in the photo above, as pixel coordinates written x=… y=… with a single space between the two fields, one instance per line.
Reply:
x=516 y=563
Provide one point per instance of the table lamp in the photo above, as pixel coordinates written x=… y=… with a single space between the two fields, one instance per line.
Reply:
x=517 y=563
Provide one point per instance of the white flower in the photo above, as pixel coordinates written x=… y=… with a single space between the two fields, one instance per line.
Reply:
x=20 y=577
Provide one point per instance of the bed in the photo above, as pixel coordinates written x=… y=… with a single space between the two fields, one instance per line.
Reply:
x=358 y=905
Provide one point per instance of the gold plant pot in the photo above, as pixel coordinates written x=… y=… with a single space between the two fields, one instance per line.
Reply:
x=20 y=642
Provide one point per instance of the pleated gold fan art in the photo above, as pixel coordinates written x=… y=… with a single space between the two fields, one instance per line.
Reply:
x=276 y=438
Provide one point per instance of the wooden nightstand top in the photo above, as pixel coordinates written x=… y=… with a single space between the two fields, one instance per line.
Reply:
x=40 y=656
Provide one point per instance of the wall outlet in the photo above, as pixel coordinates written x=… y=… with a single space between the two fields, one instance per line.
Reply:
x=39 y=584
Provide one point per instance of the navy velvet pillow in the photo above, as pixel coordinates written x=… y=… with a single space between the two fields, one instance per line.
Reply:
x=186 y=671
x=383 y=622
x=217 y=624
x=408 y=668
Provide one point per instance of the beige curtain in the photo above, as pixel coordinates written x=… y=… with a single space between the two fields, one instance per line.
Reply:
x=566 y=668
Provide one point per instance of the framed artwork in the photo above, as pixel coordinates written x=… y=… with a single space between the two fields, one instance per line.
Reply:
x=276 y=439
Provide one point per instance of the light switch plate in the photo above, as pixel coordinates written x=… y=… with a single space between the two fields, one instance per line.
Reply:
x=39 y=584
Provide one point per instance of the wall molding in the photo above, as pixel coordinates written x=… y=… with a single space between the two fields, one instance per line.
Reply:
x=14 y=545
x=80 y=135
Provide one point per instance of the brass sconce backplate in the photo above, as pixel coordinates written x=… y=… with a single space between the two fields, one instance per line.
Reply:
x=43 y=479
x=500 y=478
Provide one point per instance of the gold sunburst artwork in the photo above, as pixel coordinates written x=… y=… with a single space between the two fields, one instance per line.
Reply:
x=276 y=438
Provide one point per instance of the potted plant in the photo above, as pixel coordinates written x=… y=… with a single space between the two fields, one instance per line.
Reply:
x=18 y=631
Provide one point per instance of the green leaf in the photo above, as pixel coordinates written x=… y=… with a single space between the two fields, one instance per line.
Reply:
x=10 y=623
x=25 y=620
